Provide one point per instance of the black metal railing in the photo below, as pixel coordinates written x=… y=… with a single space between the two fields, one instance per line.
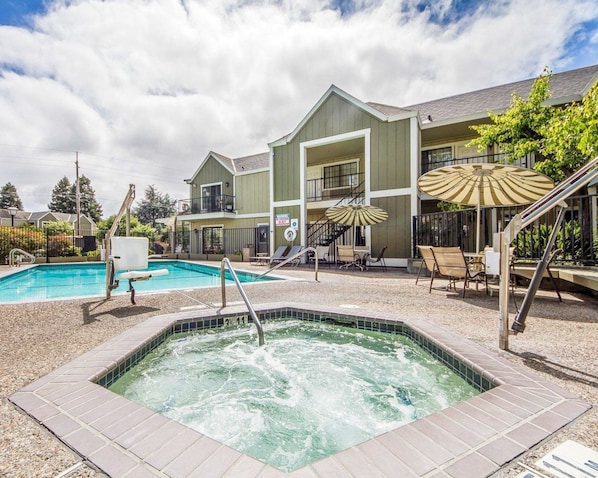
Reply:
x=323 y=232
x=332 y=187
x=43 y=244
x=577 y=238
x=525 y=162
x=207 y=204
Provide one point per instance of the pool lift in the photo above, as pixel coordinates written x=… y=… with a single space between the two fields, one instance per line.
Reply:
x=554 y=198
x=125 y=253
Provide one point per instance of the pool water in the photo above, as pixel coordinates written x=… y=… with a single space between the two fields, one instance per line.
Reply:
x=64 y=281
x=313 y=389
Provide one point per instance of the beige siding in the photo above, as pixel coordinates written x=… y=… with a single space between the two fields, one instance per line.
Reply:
x=252 y=192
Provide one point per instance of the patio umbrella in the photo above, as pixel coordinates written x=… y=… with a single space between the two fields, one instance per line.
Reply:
x=485 y=185
x=356 y=214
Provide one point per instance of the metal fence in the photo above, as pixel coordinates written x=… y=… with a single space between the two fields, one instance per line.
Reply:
x=578 y=237
x=43 y=244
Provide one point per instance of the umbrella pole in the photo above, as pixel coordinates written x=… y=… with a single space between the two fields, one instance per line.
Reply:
x=477 y=232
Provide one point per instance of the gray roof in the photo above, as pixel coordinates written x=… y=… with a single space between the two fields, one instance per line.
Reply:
x=388 y=110
x=255 y=161
x=565 y=87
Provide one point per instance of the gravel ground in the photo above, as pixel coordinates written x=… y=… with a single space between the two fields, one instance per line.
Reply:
x=559 y=344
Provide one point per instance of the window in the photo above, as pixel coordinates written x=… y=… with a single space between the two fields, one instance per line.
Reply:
x=212 y=240
x=436 y=158
x=341 y=175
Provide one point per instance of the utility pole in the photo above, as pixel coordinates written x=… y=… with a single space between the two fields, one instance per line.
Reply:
x=77 y=193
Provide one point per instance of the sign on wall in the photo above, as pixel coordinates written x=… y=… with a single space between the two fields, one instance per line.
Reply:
x=283 y=219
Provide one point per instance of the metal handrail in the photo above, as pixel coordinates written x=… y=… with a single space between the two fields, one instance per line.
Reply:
x=293 y=257
x=256 y=320
x=11 y=256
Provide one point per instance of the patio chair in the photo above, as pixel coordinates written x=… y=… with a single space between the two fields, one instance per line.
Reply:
x=428 y=262
x=278 y=255
x=323 y=254
x=379 y=260
x=294 y=250
x=348 y=258
x=451 y=264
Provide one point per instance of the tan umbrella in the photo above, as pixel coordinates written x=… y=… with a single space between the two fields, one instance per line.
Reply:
x=485 y=185
x=357 y=214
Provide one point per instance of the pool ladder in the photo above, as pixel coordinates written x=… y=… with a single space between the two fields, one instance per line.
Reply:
x=15 y=256
x=256 y=320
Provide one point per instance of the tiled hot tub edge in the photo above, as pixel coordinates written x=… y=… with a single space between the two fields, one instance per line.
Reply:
x=473 y=438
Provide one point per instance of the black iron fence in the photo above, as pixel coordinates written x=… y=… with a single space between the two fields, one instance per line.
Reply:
x=578 y=237
x=43 y=244
x=435 y=161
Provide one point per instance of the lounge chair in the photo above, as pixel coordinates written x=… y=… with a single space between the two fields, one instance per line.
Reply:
x=348 y=258
x=451 y=263
x=294 y=251
x=379 y=260
x=278 y=255
x=427 y=261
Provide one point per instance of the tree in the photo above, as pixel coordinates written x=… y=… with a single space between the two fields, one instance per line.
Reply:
x=136 y=228
x=154 y=206
x=88 y=204
x=563 y=139
x=9 y=197
x=571 y=137
x=58 y=227
x=62 y=199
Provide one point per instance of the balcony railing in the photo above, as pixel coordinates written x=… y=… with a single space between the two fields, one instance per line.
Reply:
x=525 y=162
x=207 y=204
x=332 y=187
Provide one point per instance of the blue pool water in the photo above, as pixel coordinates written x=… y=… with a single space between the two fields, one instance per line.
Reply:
x=64 y=281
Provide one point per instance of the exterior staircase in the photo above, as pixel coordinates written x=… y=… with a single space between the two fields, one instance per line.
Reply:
x=324 y=232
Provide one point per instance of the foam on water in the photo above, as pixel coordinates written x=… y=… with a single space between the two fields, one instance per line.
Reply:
x=312 y=390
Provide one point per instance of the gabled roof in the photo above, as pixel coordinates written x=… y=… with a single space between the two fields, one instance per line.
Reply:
x=379 y=111
x=236 y=165
x=565 y=87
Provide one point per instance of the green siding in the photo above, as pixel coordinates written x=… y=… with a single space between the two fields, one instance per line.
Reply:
x=252 y=193
x=390 y=168
x=294 y=212
x=395 y=232
x=213 y=172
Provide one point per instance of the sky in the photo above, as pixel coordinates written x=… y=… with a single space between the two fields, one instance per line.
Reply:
x=140 y=91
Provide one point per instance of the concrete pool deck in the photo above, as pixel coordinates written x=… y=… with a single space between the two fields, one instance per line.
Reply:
x=484 y=436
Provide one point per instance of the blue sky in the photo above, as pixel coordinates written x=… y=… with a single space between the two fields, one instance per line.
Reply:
x=144 y=89
x=16 y=12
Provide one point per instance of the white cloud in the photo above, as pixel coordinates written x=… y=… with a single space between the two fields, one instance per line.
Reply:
x=145 y=88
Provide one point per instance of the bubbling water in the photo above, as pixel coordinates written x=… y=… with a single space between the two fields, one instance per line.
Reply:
x=312 y=390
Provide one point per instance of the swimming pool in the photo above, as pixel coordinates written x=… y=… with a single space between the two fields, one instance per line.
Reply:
x=66 y=281
x=312 y=390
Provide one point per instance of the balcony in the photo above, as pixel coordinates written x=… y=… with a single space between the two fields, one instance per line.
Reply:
x=220 y=203
x=447 y=160
x=334 y=187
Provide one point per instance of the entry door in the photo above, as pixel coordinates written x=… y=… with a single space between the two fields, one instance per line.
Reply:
x=211 y=198
x=263 y=243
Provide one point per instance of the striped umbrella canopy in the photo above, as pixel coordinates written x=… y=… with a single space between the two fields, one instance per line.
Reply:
x=485 y=185
x=357 y=214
